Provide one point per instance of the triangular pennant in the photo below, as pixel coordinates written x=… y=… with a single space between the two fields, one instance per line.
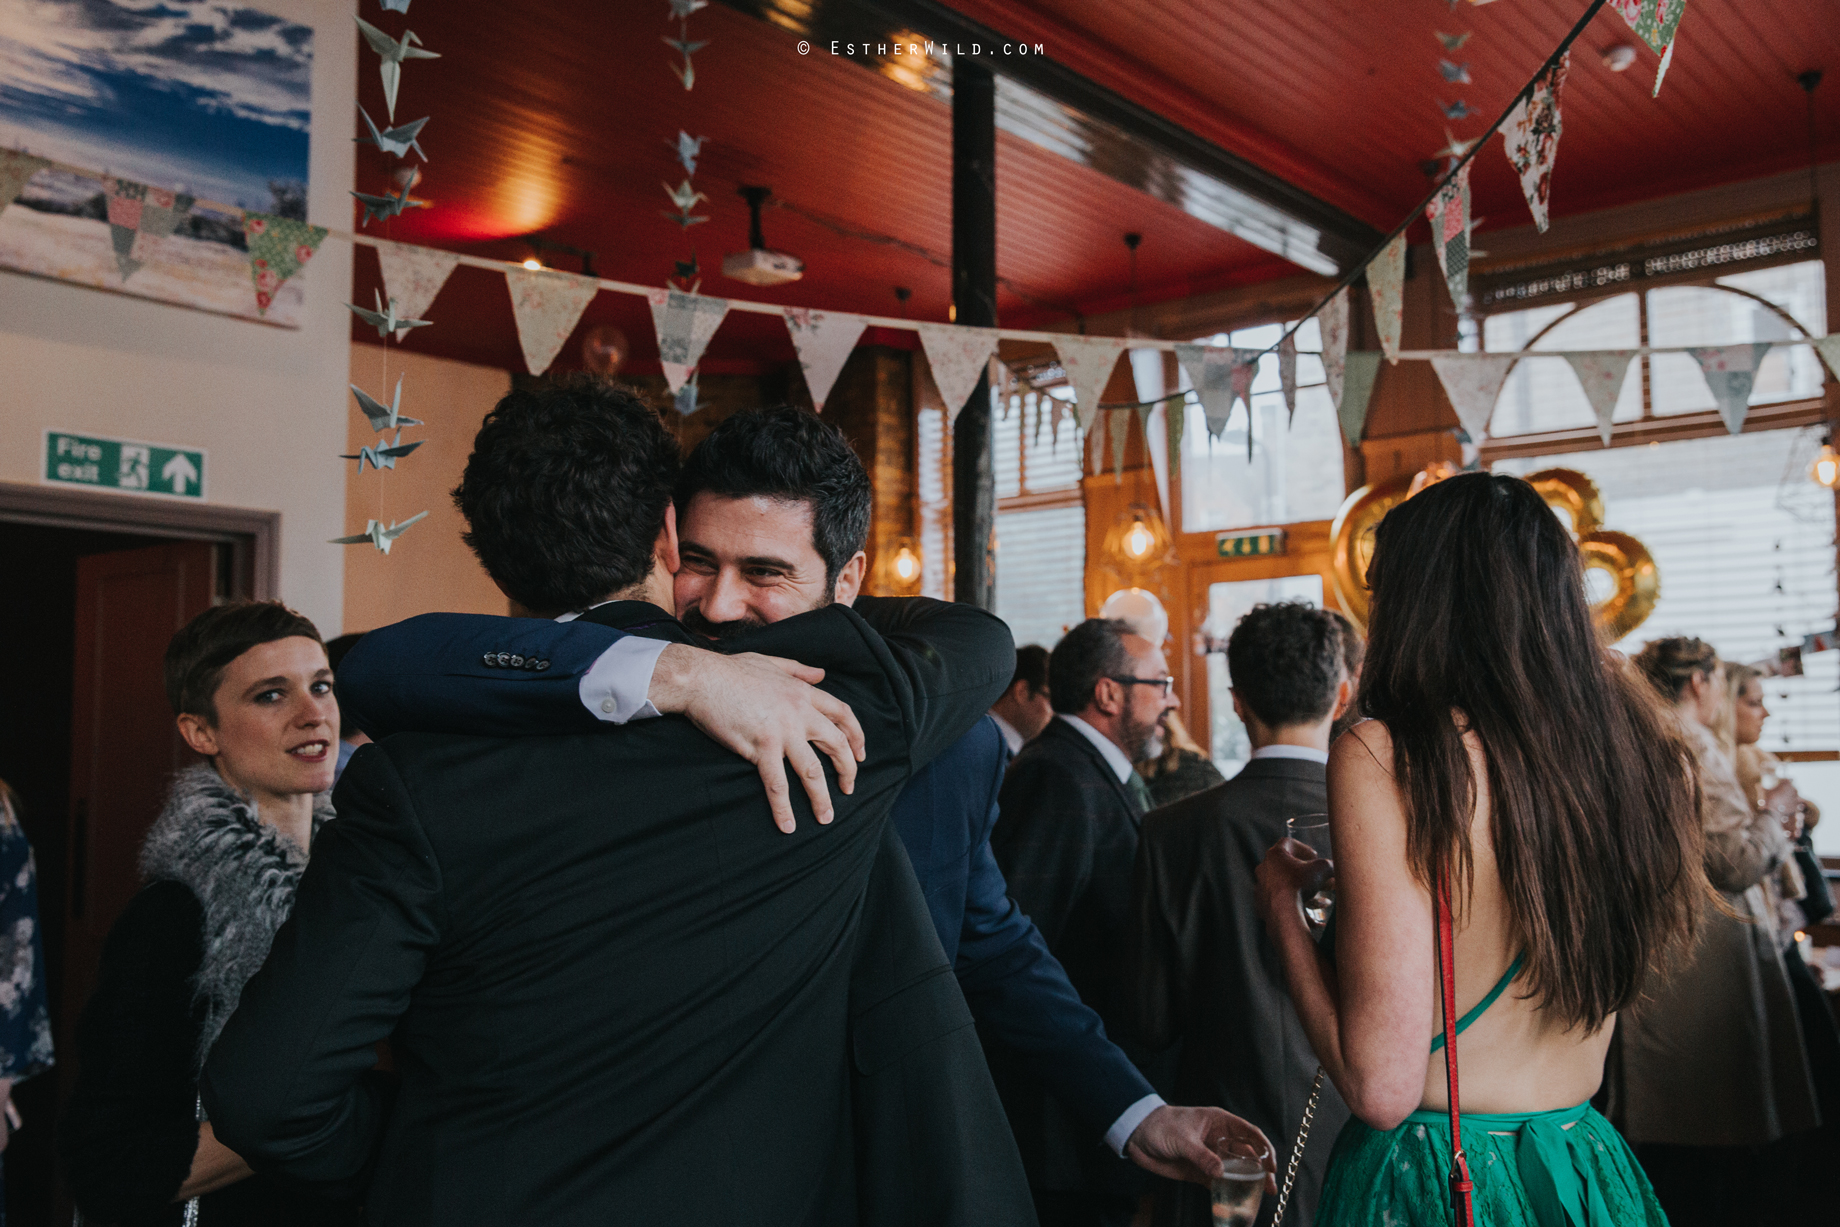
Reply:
x=546 y=305
x=1210 y=370
x=1121 y=428
x=1473 y=383
x=1245 y=368
x=125 y=201
x=1530 y=137
x=1386 y=278
x=1359 y=372
x=1667 y=58
x=1088 y=362
x=1333 y=321
x=823 y=341
x=685 y=322
x=1829 y=349
x=15 y=169
x=1654 y=21
x=1175 y=420
x=162 y=211
x=278 y=248
x=1449 y=214
x=414 y=275
x=1600 y=373
x=1287 y=374
x=1730 y=371
x=957 y=356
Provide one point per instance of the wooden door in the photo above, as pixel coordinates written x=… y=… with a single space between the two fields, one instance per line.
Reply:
x=124 y=747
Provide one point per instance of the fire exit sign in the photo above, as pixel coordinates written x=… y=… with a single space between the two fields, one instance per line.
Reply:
x=123 y=464
x=1253 y=543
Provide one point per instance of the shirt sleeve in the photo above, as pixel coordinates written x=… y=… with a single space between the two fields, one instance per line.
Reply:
x=1129 y=1120
x=615 y=687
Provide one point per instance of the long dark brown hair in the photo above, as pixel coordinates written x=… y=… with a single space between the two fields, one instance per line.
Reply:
x=1480 y=616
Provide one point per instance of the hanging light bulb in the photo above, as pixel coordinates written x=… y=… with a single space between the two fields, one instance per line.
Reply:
x=1825 y=471
x=906 y=564
x=1138 y=539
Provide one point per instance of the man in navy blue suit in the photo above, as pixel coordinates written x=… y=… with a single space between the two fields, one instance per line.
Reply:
x=773 y=513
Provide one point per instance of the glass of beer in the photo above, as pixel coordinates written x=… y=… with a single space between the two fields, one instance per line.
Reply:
x=1313 y=829
x=1240 y=1186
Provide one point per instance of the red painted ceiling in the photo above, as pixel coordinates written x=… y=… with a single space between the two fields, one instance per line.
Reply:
x=558 y=120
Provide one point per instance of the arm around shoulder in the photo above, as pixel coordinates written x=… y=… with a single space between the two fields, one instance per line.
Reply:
x=958 y=658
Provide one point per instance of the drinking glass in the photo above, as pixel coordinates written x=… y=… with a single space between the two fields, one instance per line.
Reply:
x=1240 y=1186
x=1313 y=829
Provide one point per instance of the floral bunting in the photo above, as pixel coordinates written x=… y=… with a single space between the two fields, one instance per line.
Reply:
x=1333 y=321
x=1449 y=215
x=414 y=275
x=1530 y=137
x=823 y=341
x=1287 y=374
x=16 y=169
x=1386 y=284
x=278 y=248
x=1210 y=371
x=1088 y=362
x=1601 y=374
x=1473 y=383
x=546 y=306
x=684 y=322
x=958 y=355
x=134 y=209
x=1730 y=372
x=1359 y=374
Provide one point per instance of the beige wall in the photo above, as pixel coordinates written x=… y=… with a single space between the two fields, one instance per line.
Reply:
x=268 y=404
x=429 y=568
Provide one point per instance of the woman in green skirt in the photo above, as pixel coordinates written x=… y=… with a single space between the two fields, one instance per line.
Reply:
x=1509 y=753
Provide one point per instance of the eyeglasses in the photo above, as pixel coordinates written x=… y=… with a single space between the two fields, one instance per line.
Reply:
x=1167 y=683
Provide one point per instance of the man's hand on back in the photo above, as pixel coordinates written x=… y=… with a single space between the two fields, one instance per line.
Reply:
x=766 y=709
x=1181 y=1143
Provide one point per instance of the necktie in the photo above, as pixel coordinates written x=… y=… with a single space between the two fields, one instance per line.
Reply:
x=1140 y=792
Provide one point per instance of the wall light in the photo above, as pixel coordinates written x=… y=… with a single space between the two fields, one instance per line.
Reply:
x=1138 y=539
x=906 y=562
x=1825 y=471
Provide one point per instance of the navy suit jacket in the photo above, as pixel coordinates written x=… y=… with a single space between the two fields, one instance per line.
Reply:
x=408 y=679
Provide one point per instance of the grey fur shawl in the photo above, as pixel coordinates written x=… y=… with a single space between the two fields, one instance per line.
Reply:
x=243 y=872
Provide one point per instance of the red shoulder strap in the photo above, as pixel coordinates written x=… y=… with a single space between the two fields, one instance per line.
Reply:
x=1461 y=1186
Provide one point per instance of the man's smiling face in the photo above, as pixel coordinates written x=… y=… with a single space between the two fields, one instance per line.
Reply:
x=751 y=561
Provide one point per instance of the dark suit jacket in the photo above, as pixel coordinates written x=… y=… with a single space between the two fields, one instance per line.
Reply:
x=1015 y=987
x=1209 y=978
x=616 y=992
x=1066 y=837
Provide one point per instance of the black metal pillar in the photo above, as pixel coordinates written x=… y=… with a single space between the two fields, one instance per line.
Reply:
x=974 y=296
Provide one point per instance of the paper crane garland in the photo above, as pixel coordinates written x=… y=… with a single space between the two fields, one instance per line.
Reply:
x=689 y=148
x=391 y=54
x=395 y=6
x=1456 y=74
x=383 y=457
x=398 y=141
x=386 y=207
x=681 y=9
x=685 y=197
x=686 y=74
x=375 y=533
x=384 y=319
x=383 y=418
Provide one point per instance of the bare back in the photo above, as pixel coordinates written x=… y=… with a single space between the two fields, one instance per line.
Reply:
x=1514 y=1057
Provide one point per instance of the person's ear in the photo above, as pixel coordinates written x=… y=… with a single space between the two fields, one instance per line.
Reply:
x=1109 y=696
x=1344 y=699
x=666 y=547
x=198 y=734
x=850 y=579
x=1239 y=709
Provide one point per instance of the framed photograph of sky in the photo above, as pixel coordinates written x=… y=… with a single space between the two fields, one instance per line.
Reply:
x=162 y=121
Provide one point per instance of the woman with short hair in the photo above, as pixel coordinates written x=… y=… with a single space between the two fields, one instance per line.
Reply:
x=252 y=693
x=1514 y=761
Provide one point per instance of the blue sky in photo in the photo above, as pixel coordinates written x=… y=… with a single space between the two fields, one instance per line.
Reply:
x=209 y=97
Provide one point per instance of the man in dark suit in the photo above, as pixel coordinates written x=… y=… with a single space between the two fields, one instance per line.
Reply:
x=1067 y=833
x=774 y=508
x=614 y=993
x=1207 y=975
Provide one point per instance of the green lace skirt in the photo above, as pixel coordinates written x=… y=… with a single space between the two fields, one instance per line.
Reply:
x=1529 y=1171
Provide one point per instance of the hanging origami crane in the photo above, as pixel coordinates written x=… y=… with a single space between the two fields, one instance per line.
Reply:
x=383 y=418
x=398 y=141
x=1453 y=42
x=681 y=9
x=1456 y=74
x=1453 y=148
x=685 y=197
x=385 y=207
x=686 y=74
x=375 y=533
x=1456 y=110
x=392 y=53
x=384 y=319
x=383 y=457
x=689 y=148
x=395 y=6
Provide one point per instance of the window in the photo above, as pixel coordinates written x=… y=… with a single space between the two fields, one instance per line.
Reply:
x=1228 y=602
x=1770 y=304
x=1296 y=468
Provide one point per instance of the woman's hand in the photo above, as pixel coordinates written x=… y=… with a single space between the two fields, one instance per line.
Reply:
x=1290 y=870
x=1786 y=803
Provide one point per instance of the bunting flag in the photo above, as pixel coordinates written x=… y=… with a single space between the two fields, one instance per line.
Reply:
x=1601 y=373
x=1121 y=426
x=1473 y=383
x=1730 y=370
x=1530 y=137
x=15 y=169
x=685 y=322
x=1245 y=369
x=278 y=248
x=1359 y=372
x=1655 y=23
x=1210 y=370
x=414 y=275
x=958 y=355
x=546 y=305
x=1386 y=283
x=1287 y=374
x=135 y=209
x=1449 y=215
x=1333 y=321
x=1829 y=349
x=823 y=340
x=1088 y=362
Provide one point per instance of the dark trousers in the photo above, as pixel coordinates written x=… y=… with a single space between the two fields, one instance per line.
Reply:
x=1084 y=1209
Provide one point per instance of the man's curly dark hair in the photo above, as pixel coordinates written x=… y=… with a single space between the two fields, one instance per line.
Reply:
x=566 y=490
x=1285 y=661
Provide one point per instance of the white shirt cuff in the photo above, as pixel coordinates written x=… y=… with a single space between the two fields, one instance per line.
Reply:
x=1129 y=1120
x=615 y=687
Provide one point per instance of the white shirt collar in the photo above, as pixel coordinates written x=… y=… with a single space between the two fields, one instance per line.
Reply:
x=1114 y=757
x=1011 y=734
x=1309 y=754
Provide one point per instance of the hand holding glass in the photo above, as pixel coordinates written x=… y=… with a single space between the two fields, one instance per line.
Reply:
x=1313 y=830
x=1246 y=1168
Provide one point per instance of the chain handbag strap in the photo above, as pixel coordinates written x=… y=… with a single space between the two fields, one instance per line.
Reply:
x=1303 y=1139
x=191 y=1206
x=1461 y=1186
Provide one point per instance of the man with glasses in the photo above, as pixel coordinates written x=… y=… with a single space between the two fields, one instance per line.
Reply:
x=1066 y=837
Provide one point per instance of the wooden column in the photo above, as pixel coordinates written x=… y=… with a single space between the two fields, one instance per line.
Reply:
x=974 y=298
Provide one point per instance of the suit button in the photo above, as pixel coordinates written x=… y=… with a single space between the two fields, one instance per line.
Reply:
x=530 y=663
x=504 y=660
x=491 y=661
x=542 y=665
x=517 y=662
x=607 y=706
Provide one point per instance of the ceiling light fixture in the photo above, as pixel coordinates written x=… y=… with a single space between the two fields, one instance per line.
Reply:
x=533 y=264
x=1619 y=56
x=757 y=265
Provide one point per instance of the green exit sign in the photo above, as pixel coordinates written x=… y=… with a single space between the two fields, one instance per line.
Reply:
x=1258 y=543
x=123 y=464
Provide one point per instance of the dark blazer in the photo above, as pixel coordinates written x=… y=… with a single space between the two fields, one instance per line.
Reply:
x=1015 y=987
x=616 y=992
x=1208 y=977
x=1065 y=838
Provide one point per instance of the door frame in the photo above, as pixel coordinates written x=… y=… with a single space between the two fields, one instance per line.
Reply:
x=254 y=536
